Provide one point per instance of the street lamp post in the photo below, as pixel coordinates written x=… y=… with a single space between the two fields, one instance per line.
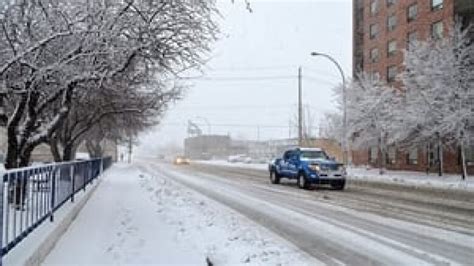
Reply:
x=344 y=114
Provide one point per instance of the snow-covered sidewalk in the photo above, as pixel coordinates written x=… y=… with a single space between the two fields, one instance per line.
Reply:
x=140 y=218
x=447 y=181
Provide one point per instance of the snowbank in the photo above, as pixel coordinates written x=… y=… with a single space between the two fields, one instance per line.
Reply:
x=446 y=181
x=258 y=166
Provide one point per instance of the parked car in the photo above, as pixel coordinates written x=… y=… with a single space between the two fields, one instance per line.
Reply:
x=180 y=160
x=309 y=166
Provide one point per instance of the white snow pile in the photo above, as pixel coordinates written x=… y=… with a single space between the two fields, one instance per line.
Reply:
x=221 y=235
x=258 y=166
x=448 y=181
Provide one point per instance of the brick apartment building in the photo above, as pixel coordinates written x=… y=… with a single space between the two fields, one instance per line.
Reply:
x=382 y=29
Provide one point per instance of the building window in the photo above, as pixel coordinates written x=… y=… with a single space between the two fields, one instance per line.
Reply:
x=391 y=2
x=374 y=55
x=373 y=154
x=391 y=48
x=412 y=12
x=374 y=7
x=412 y=157
x=436 y=4
x=391 y=155
x=469 y=153
x=391 y=22
x=412 y=37
x=391 y=73
x=375 y=75
x=437 y=30
x=374 y=31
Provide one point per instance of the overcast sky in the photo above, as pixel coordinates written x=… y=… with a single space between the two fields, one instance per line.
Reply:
x=250 y=86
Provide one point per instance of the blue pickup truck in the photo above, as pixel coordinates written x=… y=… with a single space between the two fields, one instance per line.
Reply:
x=309 y=166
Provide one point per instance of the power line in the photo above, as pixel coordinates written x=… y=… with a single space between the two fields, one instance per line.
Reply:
x=261 y=78
x=250 y=68
x=233 y=125
x=241 y=78
x=275 y=106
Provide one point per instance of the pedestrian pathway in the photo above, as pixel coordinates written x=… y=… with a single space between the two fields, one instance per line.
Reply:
x=119 y=225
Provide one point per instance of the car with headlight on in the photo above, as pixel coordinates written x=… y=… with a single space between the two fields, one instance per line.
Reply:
x=180 y=160
x=308 y=166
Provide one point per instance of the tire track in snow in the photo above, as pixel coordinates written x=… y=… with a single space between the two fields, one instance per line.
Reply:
x=427 y=256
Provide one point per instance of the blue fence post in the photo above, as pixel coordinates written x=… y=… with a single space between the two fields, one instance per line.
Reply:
x=101 y=166
x=73 y=182
x=86 y=174
x=53 y=193
x=1 y=219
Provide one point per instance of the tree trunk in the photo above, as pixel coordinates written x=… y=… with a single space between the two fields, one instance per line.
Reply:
x=11 y=160
x=463 y=160
x=25 y=156
x=440 y=156
x=69 y=152
x=53 y=145
x=13 y=148
x=94 y=148
x=22 y=181
x=382 y=149
x=428 y=161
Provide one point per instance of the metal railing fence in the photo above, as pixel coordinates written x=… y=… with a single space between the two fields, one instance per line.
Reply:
x=31 y=195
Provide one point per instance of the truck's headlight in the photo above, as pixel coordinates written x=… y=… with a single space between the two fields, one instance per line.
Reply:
x=315 y=168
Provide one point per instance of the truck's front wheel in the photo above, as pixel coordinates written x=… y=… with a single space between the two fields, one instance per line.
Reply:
x=302 y=181
x=274 y=177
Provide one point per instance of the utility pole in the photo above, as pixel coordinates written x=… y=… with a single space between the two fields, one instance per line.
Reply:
x=300 y=108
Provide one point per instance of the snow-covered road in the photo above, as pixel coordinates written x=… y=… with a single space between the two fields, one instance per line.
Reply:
x=137 y=215
x=359 y=226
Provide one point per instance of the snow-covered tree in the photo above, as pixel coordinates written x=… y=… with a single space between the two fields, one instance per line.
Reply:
x=370 y=104
x=439 y=98
x=331 y=126
x=52 y=50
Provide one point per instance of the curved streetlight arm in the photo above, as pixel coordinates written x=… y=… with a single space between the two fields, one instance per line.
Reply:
x=344 y=119
x=335 y=62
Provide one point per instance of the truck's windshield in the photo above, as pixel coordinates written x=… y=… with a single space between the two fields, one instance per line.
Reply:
x=313 y=155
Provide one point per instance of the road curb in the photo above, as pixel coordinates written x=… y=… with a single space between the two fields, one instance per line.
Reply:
x=63 y=223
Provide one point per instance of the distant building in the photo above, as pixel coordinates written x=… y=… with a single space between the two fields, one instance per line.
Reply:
x=381 y=30
x=207 y=146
